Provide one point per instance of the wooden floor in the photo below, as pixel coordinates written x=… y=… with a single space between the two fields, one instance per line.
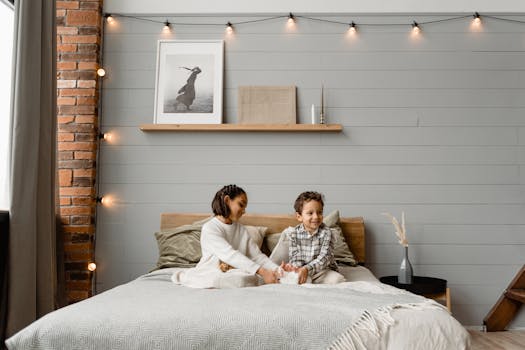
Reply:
x=509 y=340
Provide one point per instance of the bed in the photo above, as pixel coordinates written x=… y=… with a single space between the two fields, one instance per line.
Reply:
x=151 y=312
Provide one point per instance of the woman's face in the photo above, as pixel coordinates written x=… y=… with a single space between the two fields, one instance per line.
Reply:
x=237 y=206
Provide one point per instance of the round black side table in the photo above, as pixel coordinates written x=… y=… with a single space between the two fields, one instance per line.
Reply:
x=429 y=287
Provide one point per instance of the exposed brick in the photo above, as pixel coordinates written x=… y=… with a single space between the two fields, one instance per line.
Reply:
x=77 y=92
x=86 y=119
x=77 y=276
x=76 y=256
x=89 y=5
x=83 y=201
x=77 y=191
x=60 y=21
x=64 y=220
x=81 y=238
x=65 y=176
x=89 y=31
x=76 y=146
x=83 y=181
x=65 y=119
x=88 y=65
x=65 y=155
x=65 y=84
x=66 y=101
x=84 y=172
x=67 y=30
x=75 y=210
x=79 y=229
x=67 y=47
x=78 y=285
x=86 y=101
x=78 y=56
x=76 y=296
x=86 y=136
x=85 y=155
x=77 y=127
x=66 y=137
x=77 y=246
x=77 y=109
x=81 y=39
x=67 y=66
x=87 y=48
x=82 y=18
x=67 y=4
x=61 y=13
x=65 y=201
x=87 y=83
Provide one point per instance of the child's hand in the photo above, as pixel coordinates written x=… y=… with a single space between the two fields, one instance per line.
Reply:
x=268 y=276
x=287 y=267
x=303 y=274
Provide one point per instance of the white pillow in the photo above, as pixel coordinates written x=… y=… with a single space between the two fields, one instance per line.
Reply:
x=281 y=251
x=257 y=234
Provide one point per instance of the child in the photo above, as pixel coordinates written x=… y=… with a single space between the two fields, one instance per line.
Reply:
x=311 y=245
x=229 y=257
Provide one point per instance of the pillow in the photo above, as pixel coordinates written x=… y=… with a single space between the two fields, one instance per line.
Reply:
x=281 y=251
x=342 y=253
x=257 y=234
x=179 y=247
x=270 y=241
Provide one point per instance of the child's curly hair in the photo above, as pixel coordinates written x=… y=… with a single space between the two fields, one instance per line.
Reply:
x=306 y=197
x=218 y=206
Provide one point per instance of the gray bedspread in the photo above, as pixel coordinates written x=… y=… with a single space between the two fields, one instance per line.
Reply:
x=153 y=313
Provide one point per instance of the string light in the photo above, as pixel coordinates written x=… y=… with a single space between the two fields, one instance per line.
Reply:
x=101 y=72
x=92 y=266
x=167 y=26
x=416 y=29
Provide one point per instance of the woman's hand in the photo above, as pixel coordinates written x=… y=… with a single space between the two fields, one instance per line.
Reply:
x=303 y=274
x=287 y=267
x=268 y=276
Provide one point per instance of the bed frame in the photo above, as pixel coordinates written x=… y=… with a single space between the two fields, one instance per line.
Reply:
x=353 y=228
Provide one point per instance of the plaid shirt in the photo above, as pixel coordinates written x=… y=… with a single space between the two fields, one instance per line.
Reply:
x=313 y=251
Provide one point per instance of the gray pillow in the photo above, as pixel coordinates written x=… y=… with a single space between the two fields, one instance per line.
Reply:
x=179 y=247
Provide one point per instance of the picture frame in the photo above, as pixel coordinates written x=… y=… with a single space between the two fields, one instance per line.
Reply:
x=189 y=82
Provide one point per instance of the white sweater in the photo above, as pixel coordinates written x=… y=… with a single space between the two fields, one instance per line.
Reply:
x=229 y=243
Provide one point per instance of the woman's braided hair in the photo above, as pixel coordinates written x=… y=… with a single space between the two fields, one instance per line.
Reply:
x=218 y=205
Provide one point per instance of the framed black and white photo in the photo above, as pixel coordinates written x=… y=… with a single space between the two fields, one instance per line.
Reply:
x=188 y=87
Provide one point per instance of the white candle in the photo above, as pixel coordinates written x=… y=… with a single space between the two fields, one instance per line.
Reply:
x=313 y=114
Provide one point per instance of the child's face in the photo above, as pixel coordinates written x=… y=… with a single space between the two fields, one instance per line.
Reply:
x=311 y=216
x=237 y=206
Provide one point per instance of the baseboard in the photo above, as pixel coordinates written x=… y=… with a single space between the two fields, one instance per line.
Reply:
x=482 y=328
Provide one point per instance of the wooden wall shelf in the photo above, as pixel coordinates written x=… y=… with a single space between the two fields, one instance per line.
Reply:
x=244 y=127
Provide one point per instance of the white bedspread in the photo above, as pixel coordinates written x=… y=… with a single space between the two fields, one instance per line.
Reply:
x=153 y=313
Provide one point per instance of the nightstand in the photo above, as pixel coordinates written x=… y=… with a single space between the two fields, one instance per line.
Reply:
x=429 y=287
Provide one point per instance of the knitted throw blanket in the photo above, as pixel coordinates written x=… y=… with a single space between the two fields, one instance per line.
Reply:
x=154 y=313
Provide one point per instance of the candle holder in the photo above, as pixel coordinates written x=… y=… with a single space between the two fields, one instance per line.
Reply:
x=321 y=110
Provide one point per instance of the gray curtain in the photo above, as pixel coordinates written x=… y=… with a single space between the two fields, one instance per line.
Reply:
x=32 y=277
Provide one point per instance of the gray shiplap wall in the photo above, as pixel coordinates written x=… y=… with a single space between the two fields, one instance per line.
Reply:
x=433 y=126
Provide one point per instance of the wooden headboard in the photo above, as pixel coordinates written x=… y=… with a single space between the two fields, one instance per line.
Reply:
x=353 y=228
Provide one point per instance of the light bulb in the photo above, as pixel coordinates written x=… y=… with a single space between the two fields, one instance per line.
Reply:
x=92 y=266
x=101 y=72
x=106 y=136
x=229 y=28
x=477 y=19
x=105 y=200
x=415 y=28
x=353 y=28
x=291 y=19
x=167 y=26
x=109 y=18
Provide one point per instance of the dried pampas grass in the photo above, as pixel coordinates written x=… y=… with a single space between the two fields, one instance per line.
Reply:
x=401 y=232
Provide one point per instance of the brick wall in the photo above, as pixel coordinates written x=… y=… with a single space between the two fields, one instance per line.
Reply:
x=78 y=54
